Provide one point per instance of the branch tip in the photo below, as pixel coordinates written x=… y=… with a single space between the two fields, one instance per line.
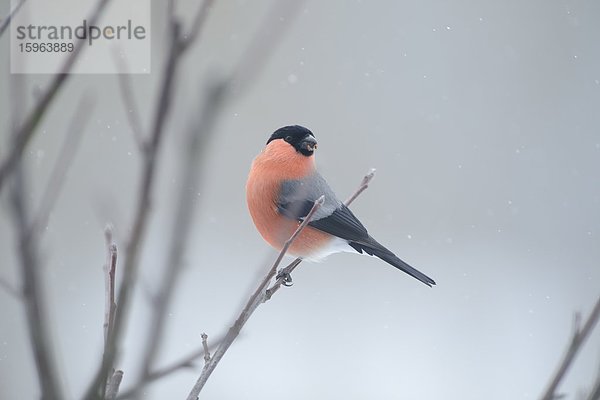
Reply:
x=205 y=347
x=364 y=184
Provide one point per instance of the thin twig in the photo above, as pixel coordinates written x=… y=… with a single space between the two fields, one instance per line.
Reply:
x=110 y=268
x=27 y=128
x=205 y=347
x=6 y=21
x=33 y=295
x=364 y=184
x=32 y=282
x=283 y=277
x=112 y=387
x=190 y=169
x=577 y=341
x=110 y=310
x=255 y=300
x=63 y=162
x=186 y=362
x=194 y=145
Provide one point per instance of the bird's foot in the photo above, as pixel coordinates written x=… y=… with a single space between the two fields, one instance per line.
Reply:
x=285 y=276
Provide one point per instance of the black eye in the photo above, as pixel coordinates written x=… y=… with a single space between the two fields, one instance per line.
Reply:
x=288 y=139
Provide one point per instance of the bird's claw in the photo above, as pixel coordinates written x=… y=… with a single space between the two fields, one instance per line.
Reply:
x=286 y=278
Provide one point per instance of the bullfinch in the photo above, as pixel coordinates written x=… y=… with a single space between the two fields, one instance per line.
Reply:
x=282 y=187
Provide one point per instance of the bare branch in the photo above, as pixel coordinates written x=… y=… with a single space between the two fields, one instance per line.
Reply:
x=27 y=252
x=255 y=300
x=6 y=21
x=184 y=363
x=110 y=268
x=364 y=184
x=197 y=136
x=63 y=162
x=26 y=130
x=177 y=47
x=112 y=387
x=33 y=295
x=150 y=155
x=205 y=347
x=577 y=340
x=110 y=309
x=194 y=144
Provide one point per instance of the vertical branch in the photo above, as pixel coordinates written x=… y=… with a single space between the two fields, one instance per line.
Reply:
x=112 y=387
x=150 y=150
x=178 y=44
x=195 y=142
x=190 y=169
x=577 y=340
x=33 y=294
x=27 y=253
x=205 y=347
x=110 y=308
x=110 y=270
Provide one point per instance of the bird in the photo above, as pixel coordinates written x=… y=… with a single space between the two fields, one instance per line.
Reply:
x=282 y=187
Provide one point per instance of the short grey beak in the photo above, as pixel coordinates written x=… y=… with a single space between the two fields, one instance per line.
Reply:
x=309 y=143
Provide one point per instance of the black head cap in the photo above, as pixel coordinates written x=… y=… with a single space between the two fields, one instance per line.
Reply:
x=298 y=136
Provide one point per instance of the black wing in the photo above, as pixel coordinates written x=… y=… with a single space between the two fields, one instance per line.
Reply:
x=343 y=224
x=295 y=201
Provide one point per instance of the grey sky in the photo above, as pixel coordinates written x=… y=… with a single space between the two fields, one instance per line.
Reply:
x=482 y=121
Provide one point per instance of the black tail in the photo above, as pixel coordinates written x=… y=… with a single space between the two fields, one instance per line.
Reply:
x=373 y=248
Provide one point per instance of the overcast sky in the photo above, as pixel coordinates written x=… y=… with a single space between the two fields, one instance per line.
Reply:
x=482 y=119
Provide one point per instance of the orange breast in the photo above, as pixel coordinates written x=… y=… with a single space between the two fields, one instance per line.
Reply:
x=279 y=161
